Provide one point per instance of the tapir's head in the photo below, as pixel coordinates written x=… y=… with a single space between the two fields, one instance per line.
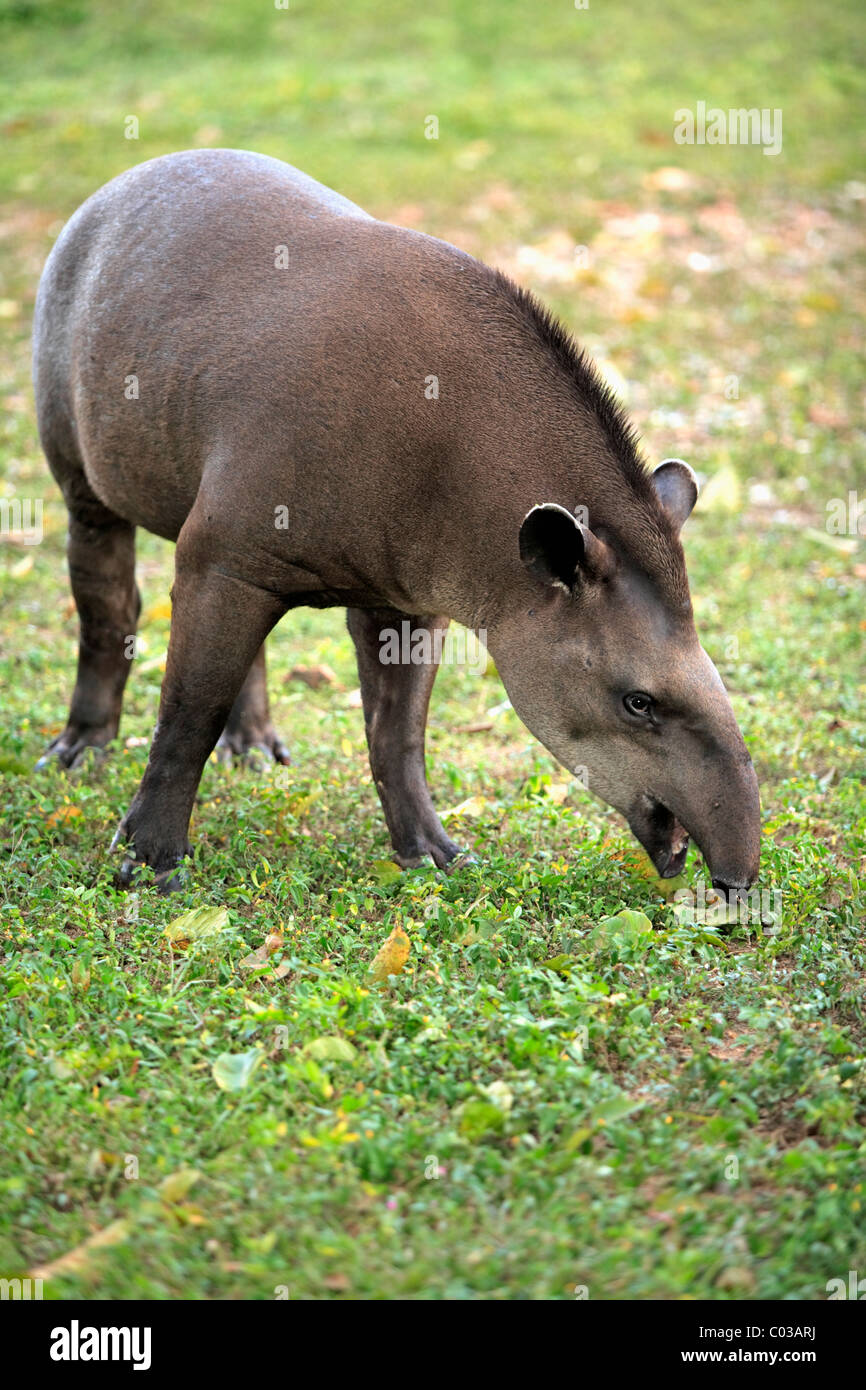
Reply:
x=602 y=662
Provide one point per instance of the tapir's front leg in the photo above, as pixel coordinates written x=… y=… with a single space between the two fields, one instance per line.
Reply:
x=219 y=622
x=396 y=697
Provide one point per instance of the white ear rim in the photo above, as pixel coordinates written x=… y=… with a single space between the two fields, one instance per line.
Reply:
x=578 y=526
x=553 y=507
x=691 y=476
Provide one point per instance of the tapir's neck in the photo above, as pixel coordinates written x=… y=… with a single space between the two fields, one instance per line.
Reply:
x=513 y=446
x=510 y=417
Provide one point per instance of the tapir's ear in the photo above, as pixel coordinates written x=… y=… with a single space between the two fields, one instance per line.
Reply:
x=557 y=549
x=677 y=488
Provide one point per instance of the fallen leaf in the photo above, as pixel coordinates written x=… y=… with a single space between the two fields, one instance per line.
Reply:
x=271 y=944
x=386 y=871
x=177 y=1185
x=197 y=925
x=79 y=1260
x=330 y=1050
x=63 y=814
x=232 y=1070
x=391 y=956
x=479 y=1117
x=313 y=676
x=626 y=928
x=472 y=806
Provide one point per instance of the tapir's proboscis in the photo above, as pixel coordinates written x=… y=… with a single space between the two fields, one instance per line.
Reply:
x=324 y=409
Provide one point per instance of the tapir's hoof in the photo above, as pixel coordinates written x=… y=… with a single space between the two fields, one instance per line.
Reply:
x=445 y=855
x=69 y=748
x=256 y=753
x=167 y=867
x=171 y=880
x=464 y=860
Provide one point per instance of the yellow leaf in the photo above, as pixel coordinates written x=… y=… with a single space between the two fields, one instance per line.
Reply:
x=79 y=1260
x=472 y=806
x=63 y=813
x=391 y=956
x=178 y=1184
x=197 y=925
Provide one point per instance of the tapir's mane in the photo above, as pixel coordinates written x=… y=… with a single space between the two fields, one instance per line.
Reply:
x=588 y=382
x=654 y=540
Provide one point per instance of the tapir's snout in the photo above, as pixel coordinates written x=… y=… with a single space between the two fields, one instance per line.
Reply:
x=722 y=814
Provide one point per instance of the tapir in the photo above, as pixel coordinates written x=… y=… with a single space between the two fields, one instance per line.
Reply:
x=323 y=409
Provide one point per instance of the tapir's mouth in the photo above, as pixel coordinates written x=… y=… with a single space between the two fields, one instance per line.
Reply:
x=665 y=840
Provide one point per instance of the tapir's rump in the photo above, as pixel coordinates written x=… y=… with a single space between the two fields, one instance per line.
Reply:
x=324 y=409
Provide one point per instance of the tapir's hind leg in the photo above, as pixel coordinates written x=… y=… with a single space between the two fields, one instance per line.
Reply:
x=248 y=729
x=395 y=701
x=101 y=555
x=208 y=661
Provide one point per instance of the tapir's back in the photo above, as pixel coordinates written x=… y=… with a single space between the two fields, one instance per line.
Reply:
x=161 y=319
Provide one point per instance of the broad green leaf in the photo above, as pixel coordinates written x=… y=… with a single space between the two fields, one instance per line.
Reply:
x=232 y=1070
x=197 y=925
x=330 y=1050
x=480 y=1117
x=561 y=964
x=385 y=871
x=615 y=1109
x=628 y=928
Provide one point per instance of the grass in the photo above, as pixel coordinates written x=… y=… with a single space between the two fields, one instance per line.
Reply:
x=536 y=1103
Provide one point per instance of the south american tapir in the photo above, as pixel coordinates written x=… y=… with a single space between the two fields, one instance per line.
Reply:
x=220 y=341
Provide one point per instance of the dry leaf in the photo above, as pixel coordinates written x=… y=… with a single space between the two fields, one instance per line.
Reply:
x=63 y=814
x=272 y=943
x=197 y=925
x=178 y=1184
x=472 y=806
x=79 y=1260
x=391 y=956
x=313 y=676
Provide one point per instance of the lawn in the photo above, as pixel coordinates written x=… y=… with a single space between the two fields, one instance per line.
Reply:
x=542 y=1103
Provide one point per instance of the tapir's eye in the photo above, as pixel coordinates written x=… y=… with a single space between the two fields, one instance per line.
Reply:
x=639 y=704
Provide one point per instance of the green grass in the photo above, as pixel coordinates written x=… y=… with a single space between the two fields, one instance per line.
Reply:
x=672 y=1116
